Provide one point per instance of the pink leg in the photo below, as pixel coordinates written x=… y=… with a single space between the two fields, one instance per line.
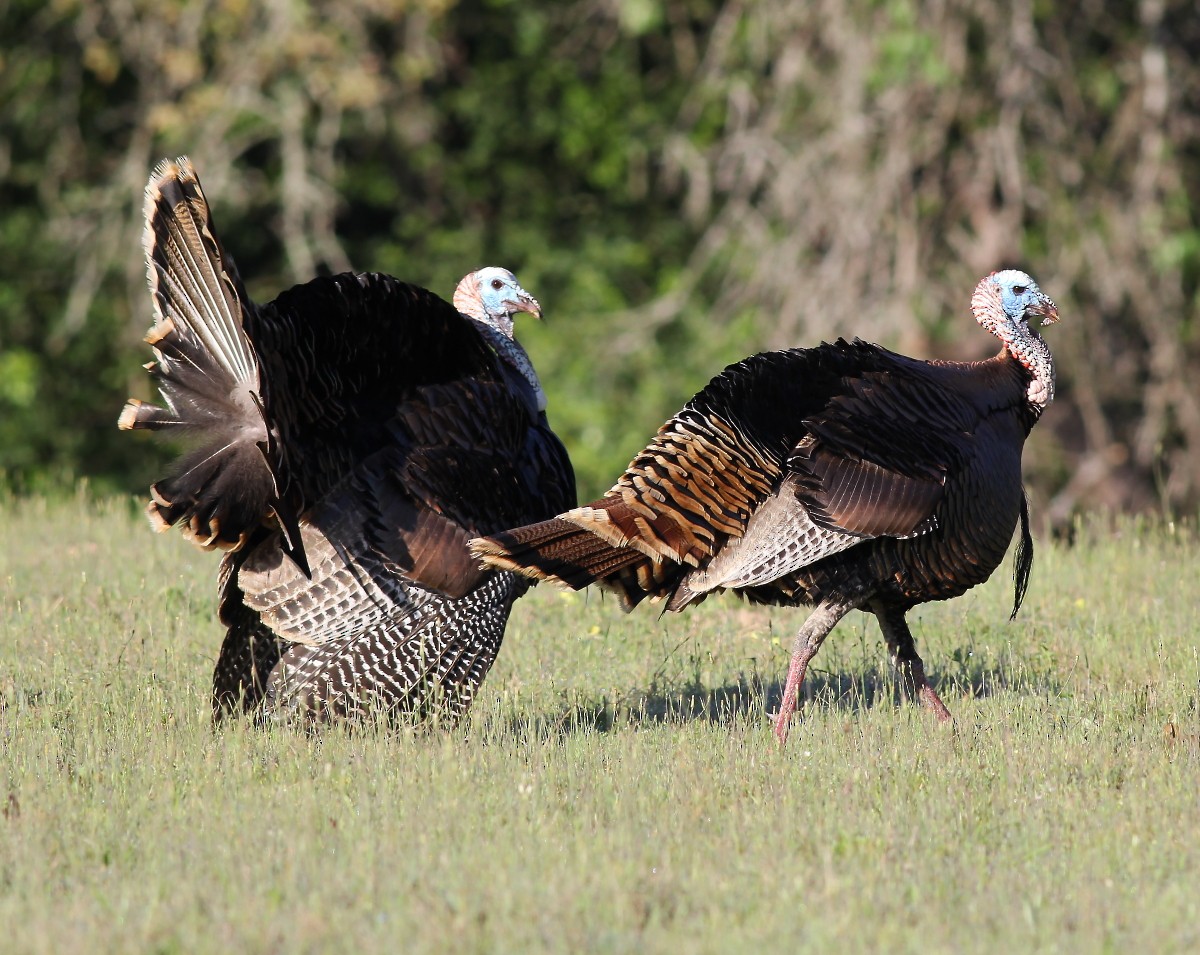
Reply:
x=791 y=690
x=903 y=650
x=808 y=641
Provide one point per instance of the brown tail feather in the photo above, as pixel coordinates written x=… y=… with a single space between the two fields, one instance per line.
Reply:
x=562 y=552
x=206 y=370
x=554 y=550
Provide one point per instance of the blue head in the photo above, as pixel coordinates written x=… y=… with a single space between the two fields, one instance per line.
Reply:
x=1021 y=299
x=493 y=295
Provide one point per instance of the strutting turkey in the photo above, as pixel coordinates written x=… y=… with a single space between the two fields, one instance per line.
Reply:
x=350 y=437
x=843 y=476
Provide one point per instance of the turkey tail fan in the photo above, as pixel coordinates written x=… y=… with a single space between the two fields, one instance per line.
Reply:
x=1023 y=561
x=207 y=373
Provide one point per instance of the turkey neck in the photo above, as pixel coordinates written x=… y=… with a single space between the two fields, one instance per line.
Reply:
x=1033 y=353
x=513 y=355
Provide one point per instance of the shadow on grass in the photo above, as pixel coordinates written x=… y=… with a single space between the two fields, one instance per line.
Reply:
x=752 y=697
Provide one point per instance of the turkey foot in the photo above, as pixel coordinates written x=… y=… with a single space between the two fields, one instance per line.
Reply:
x=916 y=686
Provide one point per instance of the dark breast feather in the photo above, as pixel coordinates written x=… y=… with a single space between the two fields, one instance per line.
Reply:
x=340 y=355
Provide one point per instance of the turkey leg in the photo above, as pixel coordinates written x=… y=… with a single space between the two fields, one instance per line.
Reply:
x=903 y=651
x=808 y=641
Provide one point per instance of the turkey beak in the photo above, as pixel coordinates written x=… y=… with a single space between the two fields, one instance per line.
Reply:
x=1047 y=309
x=526 y=303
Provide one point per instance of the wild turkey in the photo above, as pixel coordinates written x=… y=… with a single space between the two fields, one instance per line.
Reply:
x=843 y=476
x=350 y=437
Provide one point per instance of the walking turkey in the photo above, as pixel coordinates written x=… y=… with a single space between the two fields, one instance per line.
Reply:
x=349 y=438
x=843 y=476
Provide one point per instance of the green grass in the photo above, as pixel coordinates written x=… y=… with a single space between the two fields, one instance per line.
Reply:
x=618 y=788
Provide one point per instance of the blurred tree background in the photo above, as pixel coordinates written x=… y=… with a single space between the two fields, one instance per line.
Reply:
x=681 y=183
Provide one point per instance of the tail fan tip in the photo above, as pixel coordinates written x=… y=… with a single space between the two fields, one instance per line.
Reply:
x=492 y=552
x=167 y=171
x=130 y=414
x=158 y=523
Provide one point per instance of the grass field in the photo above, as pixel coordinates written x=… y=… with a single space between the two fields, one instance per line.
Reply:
x=618 y=788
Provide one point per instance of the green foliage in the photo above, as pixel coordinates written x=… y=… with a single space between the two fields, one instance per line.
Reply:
x=680 y=182
x=618 y=787
x=906 y=48
x=525 y=160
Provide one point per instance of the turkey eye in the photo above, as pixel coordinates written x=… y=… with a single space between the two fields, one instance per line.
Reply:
x=1019 y=289
x=497 y=284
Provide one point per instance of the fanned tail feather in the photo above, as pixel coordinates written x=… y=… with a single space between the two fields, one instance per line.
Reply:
x=207 y=372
